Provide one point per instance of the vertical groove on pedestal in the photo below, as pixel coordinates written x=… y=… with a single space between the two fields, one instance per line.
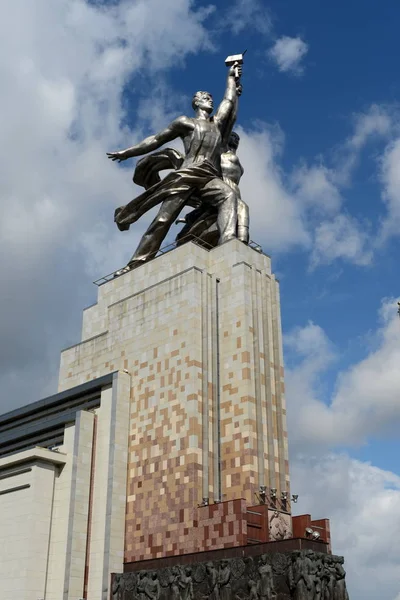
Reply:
x=266 y=295
x=282 y=392
x=278 y=386
x=216 y=390
x=204 y=391
x=210 y=388
x=257 y=379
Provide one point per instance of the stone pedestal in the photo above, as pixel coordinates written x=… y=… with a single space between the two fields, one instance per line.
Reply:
x=293 y=569
x=199 y=334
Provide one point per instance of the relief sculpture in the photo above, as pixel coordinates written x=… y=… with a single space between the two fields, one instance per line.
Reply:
x=296 y=575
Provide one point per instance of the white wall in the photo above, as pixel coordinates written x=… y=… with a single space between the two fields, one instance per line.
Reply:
x=25 y=523
x=67 y=516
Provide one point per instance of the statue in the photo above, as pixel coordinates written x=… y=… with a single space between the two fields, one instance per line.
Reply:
x=152 y=587
x=340 y=591
x=174 y=583
x=253 y=590
x=311 y=570
x=329 y=578
x=295 y=575
x=142 y=585
x=202 y=222
x=224 y=575
x=212 y=576
x=318 y=578
x=300 y=583
x=118 y=587
x=266 y=584
x=203 y=138
x=186 y=584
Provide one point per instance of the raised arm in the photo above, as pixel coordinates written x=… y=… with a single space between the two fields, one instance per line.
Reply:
x=227 y=110
x=174 y=130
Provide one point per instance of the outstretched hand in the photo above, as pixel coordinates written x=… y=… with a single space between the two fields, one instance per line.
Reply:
x=119 y=156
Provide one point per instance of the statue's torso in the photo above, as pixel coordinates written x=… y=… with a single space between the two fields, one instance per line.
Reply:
x=203 y=143
x=231 y=169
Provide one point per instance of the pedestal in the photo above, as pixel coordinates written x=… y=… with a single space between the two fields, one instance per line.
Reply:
x=199 y=334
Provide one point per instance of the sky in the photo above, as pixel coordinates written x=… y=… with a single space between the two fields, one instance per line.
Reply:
x=319 y=121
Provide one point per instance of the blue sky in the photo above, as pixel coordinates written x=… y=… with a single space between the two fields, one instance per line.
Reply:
x=320 y=143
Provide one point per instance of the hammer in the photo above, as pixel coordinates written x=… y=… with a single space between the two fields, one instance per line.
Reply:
x=235 y=59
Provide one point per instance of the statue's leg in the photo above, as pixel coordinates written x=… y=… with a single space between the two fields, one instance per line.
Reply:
x=197 y=224
x=243 y=222
x=151 y=241
x=220 y=195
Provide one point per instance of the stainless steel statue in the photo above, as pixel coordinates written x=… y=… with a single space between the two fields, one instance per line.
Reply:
x=201 y=223
x=197 y=176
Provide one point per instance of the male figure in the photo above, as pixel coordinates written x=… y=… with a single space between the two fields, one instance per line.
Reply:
x=329 y=578
x=186 y=583
x=118 y=587
x=212 y=576
x=266 y=583
x=224 y=576
x=153 y=588
x=300 y=584
x=142 y=584
x=174 y=583
x=340 y=590
x=201 y=222
x=200 y=172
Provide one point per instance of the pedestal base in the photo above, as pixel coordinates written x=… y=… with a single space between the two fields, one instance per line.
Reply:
x=199 y=335
x=296 y=568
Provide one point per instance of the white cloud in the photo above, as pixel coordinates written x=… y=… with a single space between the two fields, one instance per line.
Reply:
x=376 y=121
x=365 y=400
x=303 y=210
x=363 y=504
x=390 y=176
x=316 y=188
x=341 y=238
x=312 y=346
x=275 y=217
x=247 y=14
x=361 y=500
x=63 y=107
x=288 y=53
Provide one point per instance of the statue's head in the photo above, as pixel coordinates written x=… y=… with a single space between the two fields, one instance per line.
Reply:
x=188 y=571
x=233 y=142
x=209 y=566
x=154 y=575
x=203 y=100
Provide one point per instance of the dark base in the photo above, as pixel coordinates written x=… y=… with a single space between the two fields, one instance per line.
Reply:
x=298 y=569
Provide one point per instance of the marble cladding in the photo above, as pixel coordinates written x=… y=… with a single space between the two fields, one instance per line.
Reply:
x=26 y=497
x=199 y=334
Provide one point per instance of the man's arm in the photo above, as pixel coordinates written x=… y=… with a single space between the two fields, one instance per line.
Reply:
x=226 y=111
x=174 y=130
